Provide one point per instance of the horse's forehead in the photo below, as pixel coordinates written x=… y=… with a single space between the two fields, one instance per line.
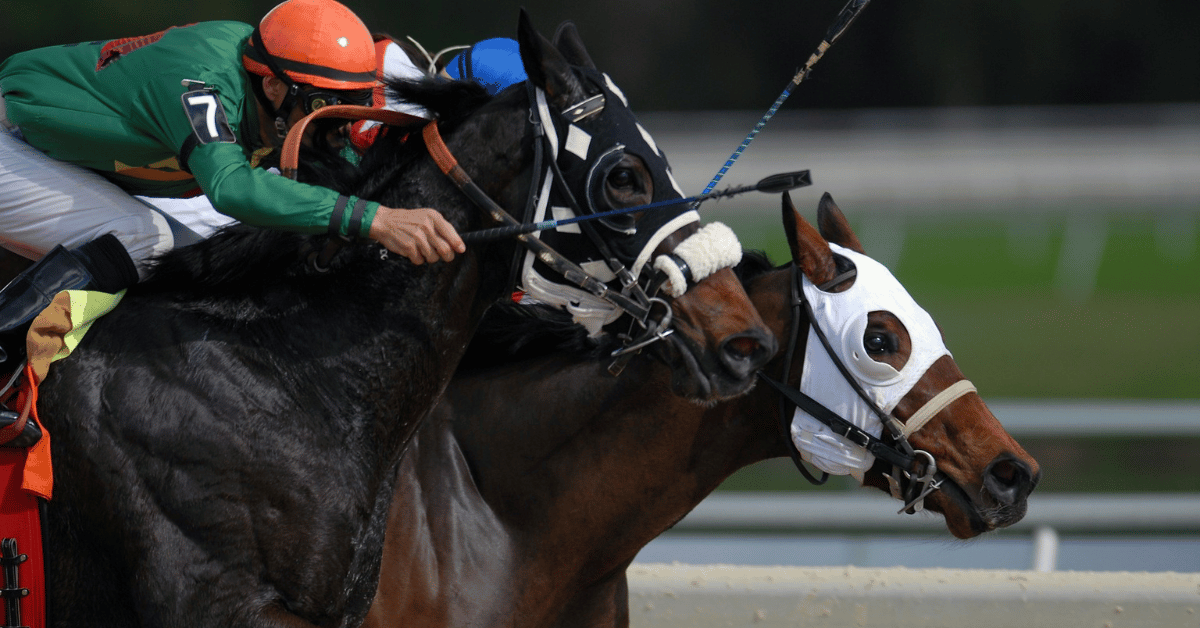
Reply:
x=875 y=288
x=618 y=125
x=593 y=144
x=844 y=317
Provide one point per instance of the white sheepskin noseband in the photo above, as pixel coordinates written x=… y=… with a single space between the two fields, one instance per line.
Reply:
x=705 y=252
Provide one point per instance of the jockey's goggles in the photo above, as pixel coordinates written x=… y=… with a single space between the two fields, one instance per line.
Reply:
x=315 y=99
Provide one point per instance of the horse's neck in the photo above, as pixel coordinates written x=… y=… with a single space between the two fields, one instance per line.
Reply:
x=579 y=437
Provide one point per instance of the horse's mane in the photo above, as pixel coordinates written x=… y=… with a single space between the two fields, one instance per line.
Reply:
x=241 y=257
x=510 y=332
x=754 y=264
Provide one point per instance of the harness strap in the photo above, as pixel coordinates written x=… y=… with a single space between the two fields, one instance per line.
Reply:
x=936 y=405
x=795 y=341
x=289 y=160
x=842 y=427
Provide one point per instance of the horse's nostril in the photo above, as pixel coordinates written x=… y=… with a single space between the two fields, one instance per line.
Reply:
x=745 y=353
x=742 y=347
x=1005 y=471
x=1009 y=480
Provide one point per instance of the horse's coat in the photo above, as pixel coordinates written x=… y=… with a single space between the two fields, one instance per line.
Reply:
x=226 y=441
x=534 y=483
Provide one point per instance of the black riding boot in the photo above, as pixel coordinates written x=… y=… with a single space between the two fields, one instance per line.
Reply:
x=102 y=264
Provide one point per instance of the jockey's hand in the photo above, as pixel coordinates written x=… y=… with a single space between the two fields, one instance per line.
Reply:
x=422 y=235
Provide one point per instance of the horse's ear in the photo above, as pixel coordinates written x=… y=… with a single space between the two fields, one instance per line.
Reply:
x=568 y=42
x=809 y=250
x=546 y=67
x=834 y=226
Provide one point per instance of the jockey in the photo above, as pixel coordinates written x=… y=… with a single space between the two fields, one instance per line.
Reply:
x=184 y=111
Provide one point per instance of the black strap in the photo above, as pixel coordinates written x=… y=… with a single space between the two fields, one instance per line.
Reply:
x=465 y=63
x=884 y=418
x=319 y=261
x=356 y=216
x=683 y=268
x=786 y=409
x=841 y=426
x=12 y=592
x=339 y=210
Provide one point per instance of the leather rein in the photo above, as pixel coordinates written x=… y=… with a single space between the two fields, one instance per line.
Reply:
x=449 y=166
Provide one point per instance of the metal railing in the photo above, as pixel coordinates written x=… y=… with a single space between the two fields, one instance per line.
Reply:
x=1048 y=515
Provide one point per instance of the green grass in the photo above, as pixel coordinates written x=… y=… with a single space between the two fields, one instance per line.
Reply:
x=990 y=283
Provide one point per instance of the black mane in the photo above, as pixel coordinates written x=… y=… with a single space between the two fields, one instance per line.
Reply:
x=244 y=258
x=754 y=264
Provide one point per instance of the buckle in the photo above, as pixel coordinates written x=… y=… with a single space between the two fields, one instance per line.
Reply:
x=584 y=108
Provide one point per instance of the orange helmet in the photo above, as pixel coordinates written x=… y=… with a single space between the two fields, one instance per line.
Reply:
x=316 y=42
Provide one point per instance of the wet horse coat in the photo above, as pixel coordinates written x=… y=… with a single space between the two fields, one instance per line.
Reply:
x=534 y=483
x=226 y=441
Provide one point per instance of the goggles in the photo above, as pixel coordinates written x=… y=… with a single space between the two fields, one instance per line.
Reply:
x=314 y=99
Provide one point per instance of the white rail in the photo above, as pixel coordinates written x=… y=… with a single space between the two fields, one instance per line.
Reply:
x=703 y=596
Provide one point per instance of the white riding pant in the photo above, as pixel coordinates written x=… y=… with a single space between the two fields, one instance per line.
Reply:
x=45 y=202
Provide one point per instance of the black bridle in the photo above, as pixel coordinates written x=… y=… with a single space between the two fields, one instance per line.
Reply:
x=632 y=298
x=911 y=479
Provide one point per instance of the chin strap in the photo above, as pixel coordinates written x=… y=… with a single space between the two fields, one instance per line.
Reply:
x=281 y=113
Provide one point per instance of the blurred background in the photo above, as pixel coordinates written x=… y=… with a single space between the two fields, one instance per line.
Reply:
x=1029 y=169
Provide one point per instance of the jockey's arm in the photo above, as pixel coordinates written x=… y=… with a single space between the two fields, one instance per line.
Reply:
x=258 y=197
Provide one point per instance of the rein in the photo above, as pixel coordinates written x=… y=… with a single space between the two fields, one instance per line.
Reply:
x=914 y=471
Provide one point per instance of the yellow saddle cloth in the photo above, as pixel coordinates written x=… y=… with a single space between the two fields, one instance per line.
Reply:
x=56 y=332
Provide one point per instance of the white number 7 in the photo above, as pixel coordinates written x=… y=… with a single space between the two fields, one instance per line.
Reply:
x=210 y=114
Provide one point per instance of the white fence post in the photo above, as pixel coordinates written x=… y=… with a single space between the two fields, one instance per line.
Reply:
x=1045 y=549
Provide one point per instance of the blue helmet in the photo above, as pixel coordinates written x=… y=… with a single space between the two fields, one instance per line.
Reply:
x=493 y=63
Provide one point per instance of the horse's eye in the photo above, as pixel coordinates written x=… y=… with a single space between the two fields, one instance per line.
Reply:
x=621 y=177
x=878 y=343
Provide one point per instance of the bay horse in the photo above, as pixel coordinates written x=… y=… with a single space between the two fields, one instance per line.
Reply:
x=538 y=478
x=226 y=441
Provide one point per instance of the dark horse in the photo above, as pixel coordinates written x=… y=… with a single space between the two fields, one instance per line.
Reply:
x=226 y=441
x=533 y=484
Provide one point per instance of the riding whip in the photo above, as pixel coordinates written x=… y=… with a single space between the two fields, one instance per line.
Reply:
x=774 y=184
x=844 y=18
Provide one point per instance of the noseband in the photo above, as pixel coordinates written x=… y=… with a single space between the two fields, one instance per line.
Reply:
x=914 y=471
